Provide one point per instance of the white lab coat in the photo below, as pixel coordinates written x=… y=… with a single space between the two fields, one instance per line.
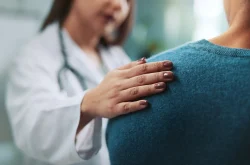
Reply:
x=43 y=118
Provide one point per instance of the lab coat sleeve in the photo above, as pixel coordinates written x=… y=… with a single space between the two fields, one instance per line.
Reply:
x=43 y=119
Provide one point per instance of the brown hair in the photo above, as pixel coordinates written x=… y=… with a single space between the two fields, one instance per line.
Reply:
x=61 y=8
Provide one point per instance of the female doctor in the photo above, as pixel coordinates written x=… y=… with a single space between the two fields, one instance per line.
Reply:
x=58 y=96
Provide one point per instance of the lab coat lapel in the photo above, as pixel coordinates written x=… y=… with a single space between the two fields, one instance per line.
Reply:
x=80 y=61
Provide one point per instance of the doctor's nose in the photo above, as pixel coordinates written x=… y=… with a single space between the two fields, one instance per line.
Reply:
x=117 y=4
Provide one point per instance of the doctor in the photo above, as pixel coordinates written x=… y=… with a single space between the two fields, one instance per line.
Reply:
x=58 y=94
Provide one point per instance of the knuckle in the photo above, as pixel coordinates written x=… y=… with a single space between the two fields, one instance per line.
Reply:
x=115 y=73
x=125 y=73
x=132 y=64
x=117 y=85
x=143 y=68
x=121 y=73
x=157 y=76
x=114 y=94
x=157 y=66
x=111 y=108
x=125 y=108
x=134 y=91
x=160 y=76
x=149 y=89
x=140 y=79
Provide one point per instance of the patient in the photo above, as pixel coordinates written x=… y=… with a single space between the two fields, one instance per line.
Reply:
x=204 y=118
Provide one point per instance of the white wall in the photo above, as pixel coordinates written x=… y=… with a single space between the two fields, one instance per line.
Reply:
x=168 y=22
x=15 y=31
x=19 y=21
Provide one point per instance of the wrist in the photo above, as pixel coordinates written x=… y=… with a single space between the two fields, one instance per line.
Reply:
x=86 y=108
x=85 y=114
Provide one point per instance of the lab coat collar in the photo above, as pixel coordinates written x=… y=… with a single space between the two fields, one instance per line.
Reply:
x=80 y=61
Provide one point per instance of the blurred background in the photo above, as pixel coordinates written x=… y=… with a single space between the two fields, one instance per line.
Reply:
x=159 y=25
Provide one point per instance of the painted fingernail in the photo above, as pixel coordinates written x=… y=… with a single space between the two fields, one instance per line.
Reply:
x=144 y=102
x=167 y=64
x=167 y=75
x=143 y=59
x=160 y=86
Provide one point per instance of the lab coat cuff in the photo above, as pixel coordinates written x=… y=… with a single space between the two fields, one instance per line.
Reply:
x=88 y=140
x=75 y=154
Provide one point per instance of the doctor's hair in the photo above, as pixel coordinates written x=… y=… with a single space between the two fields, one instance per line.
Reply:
x=61 y=8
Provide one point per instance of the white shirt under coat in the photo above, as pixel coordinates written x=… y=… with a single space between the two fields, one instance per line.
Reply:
x=44 y=119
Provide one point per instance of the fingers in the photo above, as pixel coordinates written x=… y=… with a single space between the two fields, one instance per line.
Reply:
x=149 y=68
x=141 y=91
x=147 y=79
x=133 y=64
x=128 y=107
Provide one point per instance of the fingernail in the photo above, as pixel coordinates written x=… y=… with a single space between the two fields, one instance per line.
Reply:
x=167 y=64
x=167 y=75
x=144 y=102
x=160 y=86
x=143 y=59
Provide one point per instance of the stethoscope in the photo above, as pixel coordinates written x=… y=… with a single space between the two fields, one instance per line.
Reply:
x=66 y=64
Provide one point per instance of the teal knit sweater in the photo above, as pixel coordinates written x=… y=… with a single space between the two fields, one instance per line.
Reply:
x=202 y=119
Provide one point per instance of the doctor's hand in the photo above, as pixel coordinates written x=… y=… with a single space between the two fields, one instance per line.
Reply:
x=120 y=91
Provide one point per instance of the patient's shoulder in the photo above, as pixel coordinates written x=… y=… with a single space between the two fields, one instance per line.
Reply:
x=183 y=50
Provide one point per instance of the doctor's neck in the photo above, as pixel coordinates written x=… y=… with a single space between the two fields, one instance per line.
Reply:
x=83 y=35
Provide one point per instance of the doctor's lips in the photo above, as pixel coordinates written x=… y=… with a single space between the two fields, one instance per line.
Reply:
x=109 y=18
